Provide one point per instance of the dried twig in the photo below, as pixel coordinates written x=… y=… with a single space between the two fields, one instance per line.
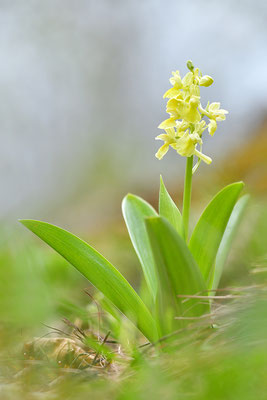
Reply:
x=97 y=353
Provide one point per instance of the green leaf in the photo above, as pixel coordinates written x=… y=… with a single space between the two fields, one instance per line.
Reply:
x=178 y=275
x=208 y=232
x=108 y=306
x=229 y=234
x=100 y=272
x=135 y=210
x=169 y=210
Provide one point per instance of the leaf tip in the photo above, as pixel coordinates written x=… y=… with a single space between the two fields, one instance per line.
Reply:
x=127 y=197
x=32 y=223
x=152 y=219
x=239 y=183
x=25 y=222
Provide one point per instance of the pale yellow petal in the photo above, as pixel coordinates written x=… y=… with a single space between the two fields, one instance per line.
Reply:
x=220 y=117
x=170 y=131
x=185 y=146
x=188 y=79
x=171 y=93
x=162 y=151
x=176 y=79
x=194 y=90
x=203 y=157
x=168 y=123
x=172 y=108
x=191 y=114
x=162 y=136
x=212 y=126
x=214 y=106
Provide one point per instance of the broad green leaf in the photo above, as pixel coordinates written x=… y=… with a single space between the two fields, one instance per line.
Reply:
x=229 y=234
x=178 y=275
x=135 y=210
x=169 y=210
x=100 y=272
x=208 y=232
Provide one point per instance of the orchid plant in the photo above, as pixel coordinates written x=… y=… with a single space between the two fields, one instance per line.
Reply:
x=175 y=266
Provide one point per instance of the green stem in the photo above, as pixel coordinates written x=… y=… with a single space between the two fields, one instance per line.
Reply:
x=187 y=194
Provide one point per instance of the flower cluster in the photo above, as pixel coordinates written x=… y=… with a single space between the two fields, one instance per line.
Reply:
x=186 y=124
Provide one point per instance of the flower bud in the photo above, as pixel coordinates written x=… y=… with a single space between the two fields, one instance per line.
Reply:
x=206 y=80
x=190 y=65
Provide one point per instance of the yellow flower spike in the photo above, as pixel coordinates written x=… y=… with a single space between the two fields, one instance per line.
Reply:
x=185 y=127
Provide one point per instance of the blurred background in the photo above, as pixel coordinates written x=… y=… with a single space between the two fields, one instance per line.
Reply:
x=81 y=85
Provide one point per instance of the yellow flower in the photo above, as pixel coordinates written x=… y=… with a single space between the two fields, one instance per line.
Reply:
x=189 y=110
x=200 y=127
x=168 y=138
x=186 y=146
x=181 y=127
x=215 y=112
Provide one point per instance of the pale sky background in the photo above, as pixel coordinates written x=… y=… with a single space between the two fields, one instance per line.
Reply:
x=81 y=91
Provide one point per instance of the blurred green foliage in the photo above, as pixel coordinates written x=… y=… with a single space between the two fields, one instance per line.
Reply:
x=37 y=286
